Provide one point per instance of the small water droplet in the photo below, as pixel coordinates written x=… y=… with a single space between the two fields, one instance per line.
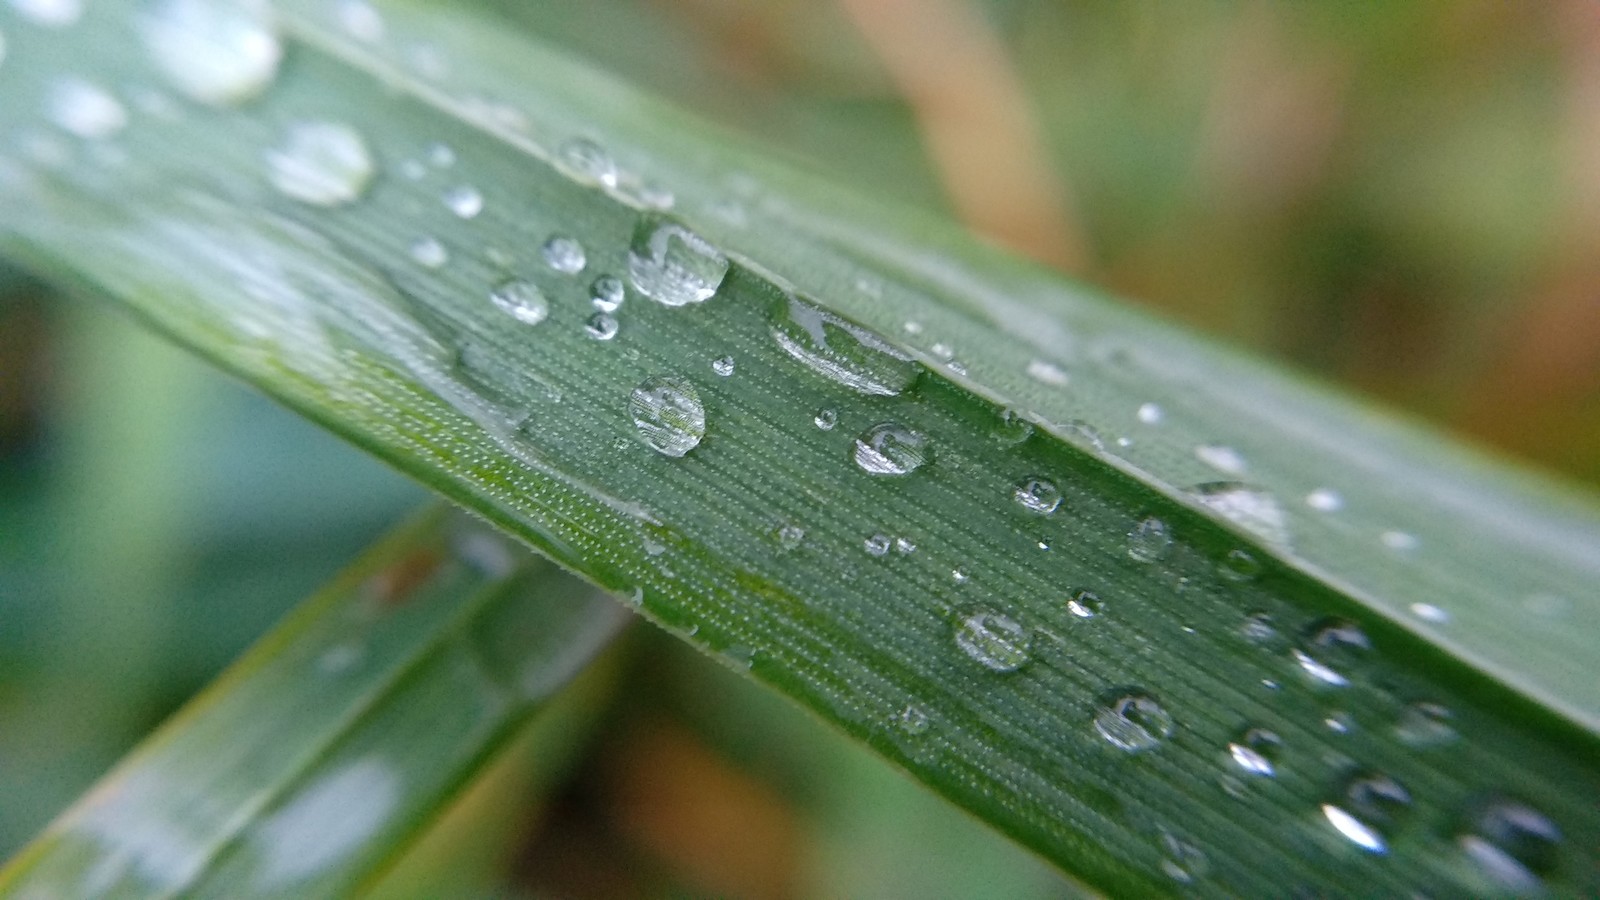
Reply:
x=587 y=162
x=1430 y=613
x=959 y=576
x=841 y=351
x=1399 y=541
x=912 y=721
x=1085 y=604
x=790 y=536
x=878 y=544
x=50 y=13
x=1256 y=751
x=1184 y=862
x=320 y=163
x=441 y=156
x=912 y=327
x=1133 y=721
x=995 y=641
x=601 y=327
x=1149 y=541
x=1047 y=372
x=1037 y=495
x=825 y=419
x=889 y=448
x=1330 y=645
x=1339 y=722
x=522 y=300
x=1424 y=724
x=1084 y=432
x=1258 y=628
x=1222 y=458
x=564 y=254
x=1150 y=414
x=1239 y=565
x=1325 y=500
x=607 y=293
x=654 y=196
x=1367 y=809
x=1513 y=844
x=85 y=109
x=220 y=54
x=1013 y=428
x=722 y=365
x=904 y=547
x=464 y=200
x=1250 y=508
x=428 y=252
x=361 y=21
x=667 y=412
x=672 y=265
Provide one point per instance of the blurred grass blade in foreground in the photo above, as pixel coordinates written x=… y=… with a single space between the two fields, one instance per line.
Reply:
x=324 y=752
x=1051 y=557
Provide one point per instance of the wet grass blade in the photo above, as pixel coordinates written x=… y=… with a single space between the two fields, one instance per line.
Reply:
x=1164 y=615
x=311 y=765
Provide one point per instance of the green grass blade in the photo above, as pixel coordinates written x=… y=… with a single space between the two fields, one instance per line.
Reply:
x=315 y=760
x=930 y=614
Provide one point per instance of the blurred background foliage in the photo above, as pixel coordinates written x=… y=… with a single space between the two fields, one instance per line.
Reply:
x=1400 y=197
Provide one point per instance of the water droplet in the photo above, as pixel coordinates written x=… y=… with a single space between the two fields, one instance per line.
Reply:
x=912 y=721
x=904 y=547
x=959 y=576
x=790 y=536
x=1367 y=810
x=428 y=252
x=1084 y=432
x=1037 y=495
x=1133 y=721
x=878 y=544
x=1325 y=500
x=1222 y=458
x=221 y=54
x=565 y=255
x=1013 y=428
x=1239 y=565
x=825 y=419
x=993 y=640
x=1047 y=372
x=85 y=109
x=587 y=162
x=1248 y=507
x=1256 y=751
x=842 y=352
x=522 y=300
x=321 y=163
x=1184 y=863
x=1514 y=844
x=50 y=13
x=1331 y=643
x=464 y=200
x=607 y=293
x=441 y=156
x=1149 y=541
x=722 y=365
x=1424 y=725
x=1430 y=613
x=1150 y=414
x=1339 y=722
x=672 y=265
x=601 y=327
x=1399 y=541
x=667 y=411
x=889 y=448
x=654 y=196
x=1258 y=628
x=1085 y=604
x=361 y=21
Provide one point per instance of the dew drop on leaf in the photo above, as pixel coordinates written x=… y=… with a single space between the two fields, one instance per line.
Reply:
x=1331 y=645
x=1046 y=372
x=672 y=265
x=1149 y=541
x=1250 y=508
x=601 y=327
x=825 y=419
x=668 y=414
x=1013 y=428
x=1133 y=721
x=841 y=351
x=321 y=164
x=522 y=300
x=1513 y=844
x=1223 y=458
x=85 y=109
x=1367 y=809
x=464 y=200
x=1424 y=724
x=1150 y=414
x=1255 y=751
x=889 y=448
x=564 y=255
x=1085 y=604
x=912 y=721
x=878 y=544
x=1037 y=495
x=790 y=536
x=220 y=54
x=993 y=640
x=429 y=253
x=587 y=162
x=723 y=366
x=607 y=293
x=1325 y=500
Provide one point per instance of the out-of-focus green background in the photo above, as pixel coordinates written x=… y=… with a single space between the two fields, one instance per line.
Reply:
x=1401 y=197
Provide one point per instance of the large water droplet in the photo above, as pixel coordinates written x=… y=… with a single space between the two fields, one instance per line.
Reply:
x=1425 y=724
x=838 y=350
x=50 y=13
x=1037 y=495
x=889 y=448
x=1368 y=809
x=1133 y=721
x=565 y=255
x=217 y=53
x=1514 y=844
x=1330 y=645
x=522 y=300
x=995 y=641
x=672 y=265
x=320 y=163
x=1149 y=541
x=587 y=162
x=607 y=293
x=667 y=411
x=85 y=109
x=1256 y=751
x=1250 y=508
x=464 y=200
